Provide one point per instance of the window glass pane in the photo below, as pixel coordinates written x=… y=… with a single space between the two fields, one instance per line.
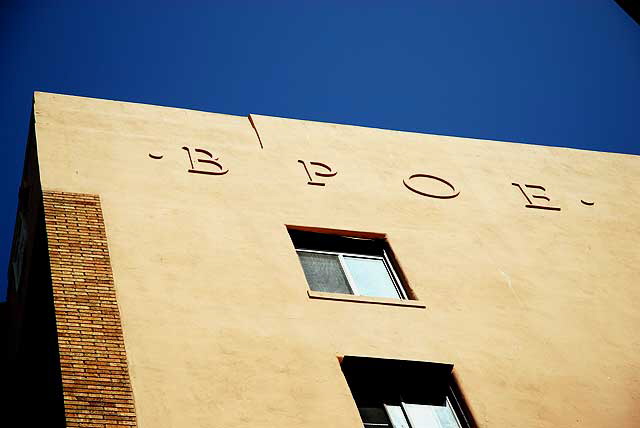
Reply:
x=374 y=417
x=396 y=415
x=446 y=416
x=421 y=416
x=371 y=277
x=324 y=273
x=424 y=416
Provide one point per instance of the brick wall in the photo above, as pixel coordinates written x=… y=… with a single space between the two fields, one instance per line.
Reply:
x=95 y=377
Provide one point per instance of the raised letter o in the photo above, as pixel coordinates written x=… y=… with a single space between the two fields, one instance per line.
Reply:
x=429 y=195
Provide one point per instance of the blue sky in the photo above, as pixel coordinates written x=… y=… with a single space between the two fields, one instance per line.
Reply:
x=552 y=72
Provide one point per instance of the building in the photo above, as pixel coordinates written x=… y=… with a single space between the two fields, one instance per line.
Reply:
x=175 y=268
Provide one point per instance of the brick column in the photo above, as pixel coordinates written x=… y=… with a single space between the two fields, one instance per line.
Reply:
x=95 y=376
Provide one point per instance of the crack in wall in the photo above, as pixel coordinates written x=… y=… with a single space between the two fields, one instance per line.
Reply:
x=250 y=117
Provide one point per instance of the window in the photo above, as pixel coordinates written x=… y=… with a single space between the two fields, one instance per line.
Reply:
x=347 y=265
x=404 y=394
x=405 y=415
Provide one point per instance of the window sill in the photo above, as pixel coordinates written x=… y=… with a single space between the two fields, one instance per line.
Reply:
x=364 y=299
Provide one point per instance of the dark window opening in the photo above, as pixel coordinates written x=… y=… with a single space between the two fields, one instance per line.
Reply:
x=405 y=394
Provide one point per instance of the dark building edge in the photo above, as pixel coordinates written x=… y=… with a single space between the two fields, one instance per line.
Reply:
x=32 y=385
x=632 y=7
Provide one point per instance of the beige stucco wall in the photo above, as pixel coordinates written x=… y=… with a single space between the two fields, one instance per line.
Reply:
x=536 y=309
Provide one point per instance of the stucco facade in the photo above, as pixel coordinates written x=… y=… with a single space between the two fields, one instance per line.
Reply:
x=522 y=262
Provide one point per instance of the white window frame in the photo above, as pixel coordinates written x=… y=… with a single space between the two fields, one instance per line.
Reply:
x=397 y=284
x=407 y=421
x=412 y=424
